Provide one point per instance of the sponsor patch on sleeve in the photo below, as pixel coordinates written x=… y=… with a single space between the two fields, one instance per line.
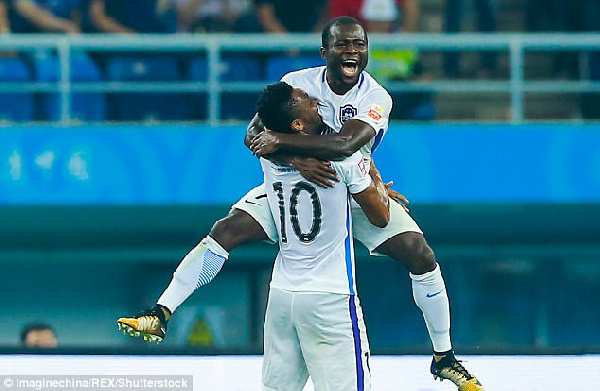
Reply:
x=376 y=112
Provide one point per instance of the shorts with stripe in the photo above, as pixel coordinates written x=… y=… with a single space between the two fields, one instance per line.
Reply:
x=316 y=334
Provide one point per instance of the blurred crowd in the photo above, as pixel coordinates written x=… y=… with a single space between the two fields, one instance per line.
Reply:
x=306 y=16
x=281 y=16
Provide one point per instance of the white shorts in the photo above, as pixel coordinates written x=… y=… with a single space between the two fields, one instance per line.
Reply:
x=316 y=334
x=255 y=203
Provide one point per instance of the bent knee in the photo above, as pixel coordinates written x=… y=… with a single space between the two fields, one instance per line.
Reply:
x=412 y=250
x=237 y=228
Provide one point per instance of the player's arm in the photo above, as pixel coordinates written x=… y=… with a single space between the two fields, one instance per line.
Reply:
x=254 y=128
x=353 y=135
x=372 y=115
x=374 y=201
x=314 y=170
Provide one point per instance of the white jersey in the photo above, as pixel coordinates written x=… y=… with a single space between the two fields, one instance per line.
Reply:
x=367 y=101
x=316 y=252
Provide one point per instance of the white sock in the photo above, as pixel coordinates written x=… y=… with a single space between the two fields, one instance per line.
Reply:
x=429 y=292
x=197 y=268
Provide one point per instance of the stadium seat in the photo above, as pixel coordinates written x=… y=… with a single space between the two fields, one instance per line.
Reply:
x=17 y=107
x=88 y=106
x=137 y=106
x=233 y=68
x=278 y=66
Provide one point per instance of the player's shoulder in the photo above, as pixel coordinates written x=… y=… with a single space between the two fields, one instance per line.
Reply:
x=369 y=85
x=305 y=74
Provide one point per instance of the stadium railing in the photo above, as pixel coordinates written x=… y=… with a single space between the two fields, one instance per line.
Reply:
x=214 y=47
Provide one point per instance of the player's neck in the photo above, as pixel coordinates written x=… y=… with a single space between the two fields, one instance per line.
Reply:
x=337 y=86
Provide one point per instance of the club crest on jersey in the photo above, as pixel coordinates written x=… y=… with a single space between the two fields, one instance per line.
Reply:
x=347 y=112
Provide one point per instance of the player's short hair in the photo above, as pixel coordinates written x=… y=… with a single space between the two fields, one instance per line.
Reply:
x=275 y=107
x=339 y=21
x=36 y=326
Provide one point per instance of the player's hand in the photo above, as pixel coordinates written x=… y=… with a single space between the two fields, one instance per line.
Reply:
x=394 y=195
x=264 y=143
x=316 y=171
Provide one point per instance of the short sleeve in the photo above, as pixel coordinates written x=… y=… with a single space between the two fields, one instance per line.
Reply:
x=354 y=172
x=375 y=109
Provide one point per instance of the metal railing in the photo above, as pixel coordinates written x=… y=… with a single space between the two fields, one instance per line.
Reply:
x=213 y=46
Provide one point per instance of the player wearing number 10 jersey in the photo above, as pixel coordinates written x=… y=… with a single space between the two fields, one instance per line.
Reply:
x=357 y=108
x=313 y=323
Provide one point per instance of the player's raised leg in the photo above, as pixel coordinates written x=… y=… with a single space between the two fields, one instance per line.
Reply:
x=197 y=268
x=248 y=221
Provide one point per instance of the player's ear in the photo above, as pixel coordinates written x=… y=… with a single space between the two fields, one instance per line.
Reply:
x=323 y=53
x=297 y=125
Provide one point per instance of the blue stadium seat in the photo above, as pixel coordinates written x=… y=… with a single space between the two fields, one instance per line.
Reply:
x=84 y=105
x=18 y=107
x=137 y=106
x=278 y=66
x=240 y=68
x=198 y=69
x=233 y=68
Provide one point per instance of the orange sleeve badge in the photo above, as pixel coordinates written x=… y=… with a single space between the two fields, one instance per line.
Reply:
x=376 y=112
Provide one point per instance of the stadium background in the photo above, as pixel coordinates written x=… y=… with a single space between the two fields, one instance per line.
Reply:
x=104 y=189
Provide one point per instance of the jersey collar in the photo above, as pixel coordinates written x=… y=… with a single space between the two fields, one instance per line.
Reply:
x=360 y=82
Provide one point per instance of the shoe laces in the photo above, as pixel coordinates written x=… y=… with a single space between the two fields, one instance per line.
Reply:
x=148 y=322
x=458 y=370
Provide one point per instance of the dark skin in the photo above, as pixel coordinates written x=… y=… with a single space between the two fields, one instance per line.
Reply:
x=347 y=45
x=374 y=200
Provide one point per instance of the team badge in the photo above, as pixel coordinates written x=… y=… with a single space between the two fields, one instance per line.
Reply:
x=347 y=112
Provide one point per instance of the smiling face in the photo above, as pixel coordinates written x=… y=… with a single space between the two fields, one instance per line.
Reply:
x=346 y=55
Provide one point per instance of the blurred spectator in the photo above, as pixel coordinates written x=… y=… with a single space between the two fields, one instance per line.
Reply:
x=4 y=23
x=546 y=15
x=380 y=15
x=132 y=16
x=210 y=16
x=86 y=23
x=285 y=16
x=485 y=12
x=44 y=16
x=38 y=335
x=392 y=16
x=555 y=16
x=590 y=22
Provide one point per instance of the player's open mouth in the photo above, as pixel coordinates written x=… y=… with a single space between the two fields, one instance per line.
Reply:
x=350 y=67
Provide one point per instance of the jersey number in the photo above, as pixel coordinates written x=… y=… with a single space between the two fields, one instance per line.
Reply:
x=304 y=237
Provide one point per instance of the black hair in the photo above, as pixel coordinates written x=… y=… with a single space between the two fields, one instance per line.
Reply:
x=36 y=326
x=275 y=107
x=339 y=21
